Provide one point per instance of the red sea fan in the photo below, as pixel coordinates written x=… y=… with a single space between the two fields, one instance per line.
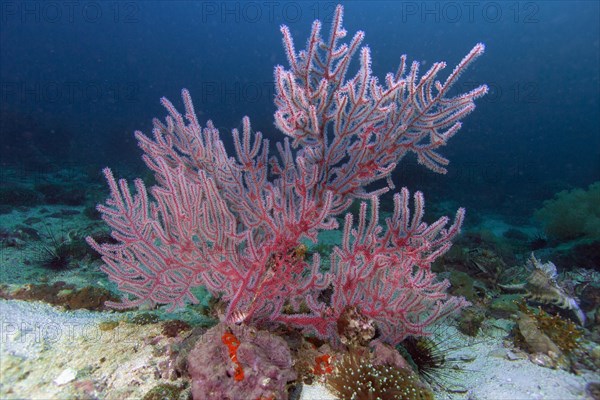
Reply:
x=233 y=224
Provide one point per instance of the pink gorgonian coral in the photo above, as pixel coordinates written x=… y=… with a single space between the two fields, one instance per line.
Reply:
x=237 y=224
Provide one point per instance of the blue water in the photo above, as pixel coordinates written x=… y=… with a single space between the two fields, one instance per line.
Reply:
x=78 y=79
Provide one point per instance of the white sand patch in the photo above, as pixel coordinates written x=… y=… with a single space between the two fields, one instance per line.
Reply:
x=49 y=354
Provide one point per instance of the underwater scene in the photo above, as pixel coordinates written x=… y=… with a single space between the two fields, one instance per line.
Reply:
x=311 y=200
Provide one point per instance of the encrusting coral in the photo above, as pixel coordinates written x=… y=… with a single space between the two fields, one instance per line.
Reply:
x=551 y=340
x=354 y=328
x=544 y=333
x=240 y=362
x=532 y=338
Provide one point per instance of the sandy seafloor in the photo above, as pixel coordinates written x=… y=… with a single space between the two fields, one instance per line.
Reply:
x=51 y=354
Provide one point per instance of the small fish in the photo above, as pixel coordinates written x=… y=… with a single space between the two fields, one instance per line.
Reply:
x=237 y=317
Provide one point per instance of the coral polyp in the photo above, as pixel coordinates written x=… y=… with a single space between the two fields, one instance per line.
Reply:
x=355 y=378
